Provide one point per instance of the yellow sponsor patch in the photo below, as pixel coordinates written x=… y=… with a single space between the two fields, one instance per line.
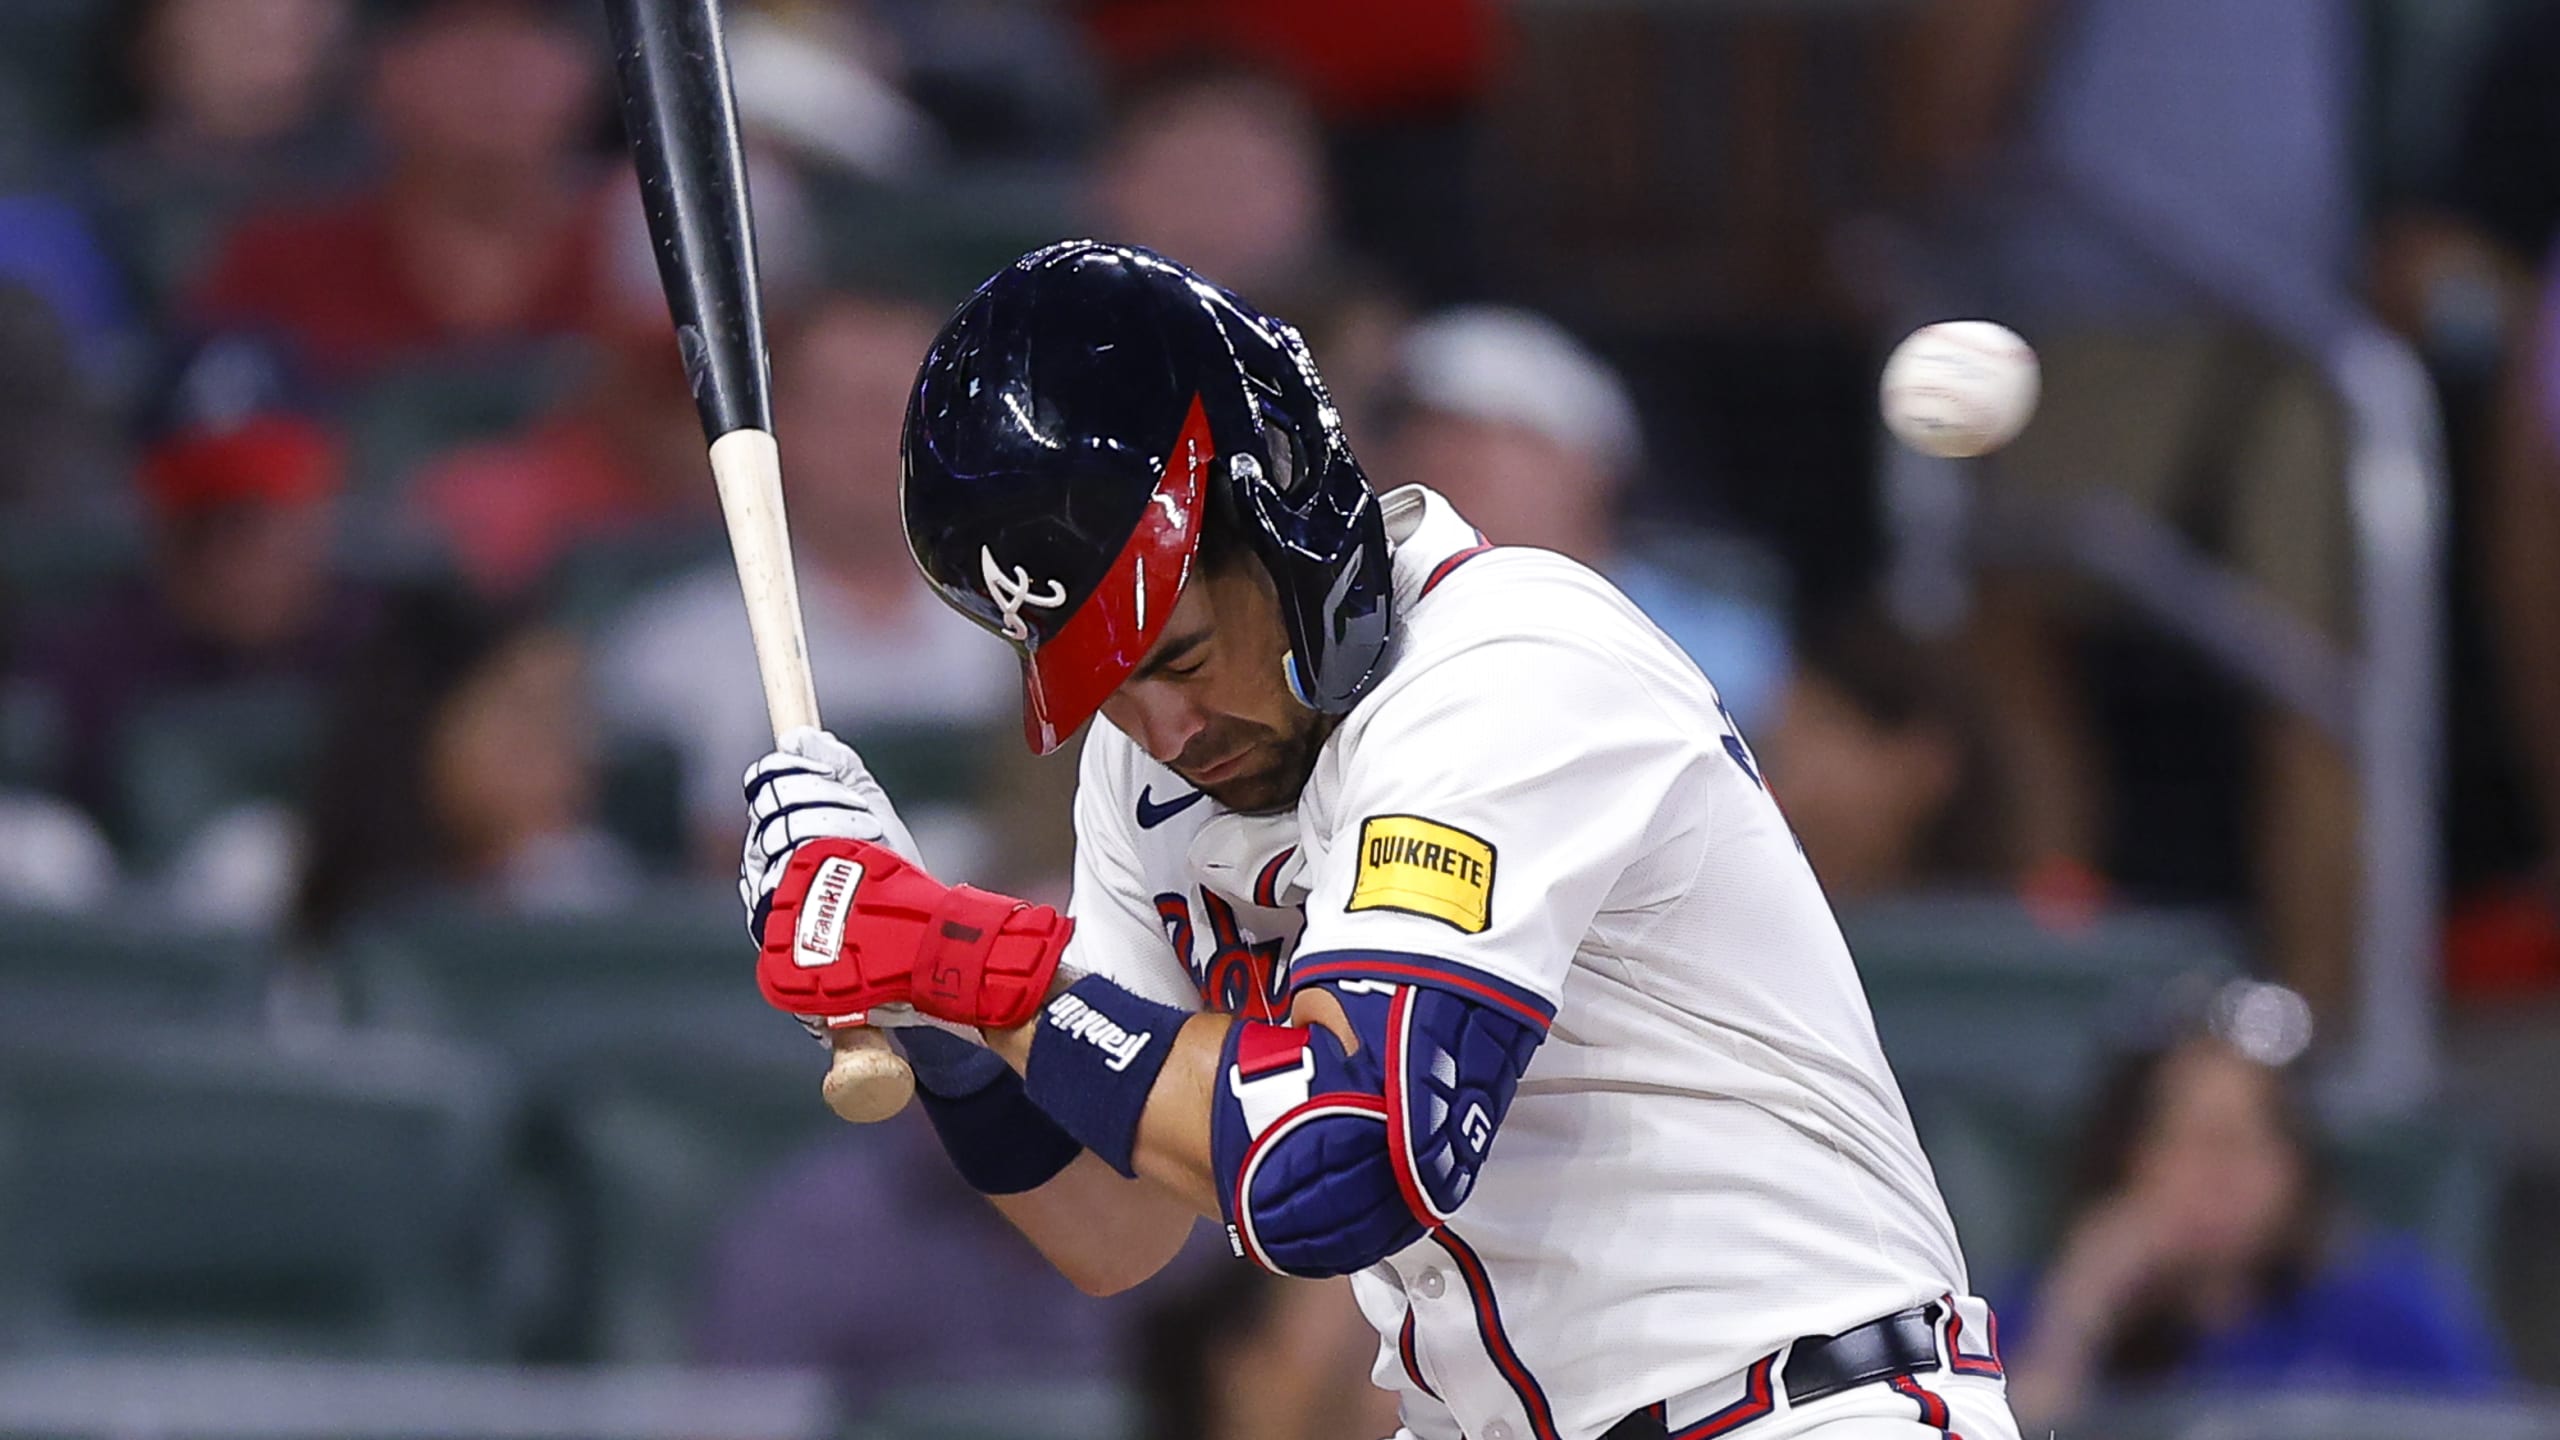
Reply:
x=1423 y=867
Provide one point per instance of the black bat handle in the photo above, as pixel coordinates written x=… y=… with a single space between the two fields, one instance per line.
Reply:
x=681 y=116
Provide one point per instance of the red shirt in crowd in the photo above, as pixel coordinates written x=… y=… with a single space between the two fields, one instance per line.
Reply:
x=510 y=508
x=334 y=279
x=1358 y=59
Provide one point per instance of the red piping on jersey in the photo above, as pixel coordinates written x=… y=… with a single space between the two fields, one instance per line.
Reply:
x=1404 y=1352
x=1959 y=1361
x=1354 y=965
x=1933 y=1410
x=1441 y=571
x=1759 y=1397
x=1266 y=886
x=1497 y=1342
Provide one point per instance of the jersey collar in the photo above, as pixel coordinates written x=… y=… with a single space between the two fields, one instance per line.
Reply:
x=1423 y=530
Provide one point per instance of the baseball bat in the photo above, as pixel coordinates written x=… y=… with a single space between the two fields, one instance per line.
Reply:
x=680 y=114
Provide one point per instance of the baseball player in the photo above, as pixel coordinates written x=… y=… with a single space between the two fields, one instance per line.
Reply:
x=1430 y=925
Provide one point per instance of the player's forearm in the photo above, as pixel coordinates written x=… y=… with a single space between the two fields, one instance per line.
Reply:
x=1173 y=1150
x=1103 y=1231
x=1173 y=1134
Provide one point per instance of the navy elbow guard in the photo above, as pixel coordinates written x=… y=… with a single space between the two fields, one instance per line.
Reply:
x=1334 y=1160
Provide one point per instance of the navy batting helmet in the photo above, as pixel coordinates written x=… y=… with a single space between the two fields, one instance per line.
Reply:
x=1074 y=427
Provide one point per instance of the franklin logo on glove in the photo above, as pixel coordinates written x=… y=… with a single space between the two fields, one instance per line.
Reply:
x=820 y=933
x=1070 y=1016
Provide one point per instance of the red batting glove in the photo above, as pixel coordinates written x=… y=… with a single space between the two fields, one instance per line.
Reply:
x=855 y=926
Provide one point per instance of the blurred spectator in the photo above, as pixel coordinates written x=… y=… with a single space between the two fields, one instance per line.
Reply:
x=1874 y=764
x=65 y=457
x=2505 y=941
x=677 y=664
x=2124 y=169
x=1006 y=81
x=483 y=228
x=1359 y=58
x=2203 y=1247
x=461 y=766
x=821 y=84
x=1534 y=439
x=1237 y=1354
x=241 y=484
x=48 y=248
x=1399 y=85
x=618 y=467
x=2454 y=266
x=214 y=105
x=1221 y=167
x=621 y=460
x=865 y=1256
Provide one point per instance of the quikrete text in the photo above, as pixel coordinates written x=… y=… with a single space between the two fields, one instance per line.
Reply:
x=1385 y=850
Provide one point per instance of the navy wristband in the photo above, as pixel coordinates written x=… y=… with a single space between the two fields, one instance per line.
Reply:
x=1095 y=1054
x=948 y=1066
x=997 y=1139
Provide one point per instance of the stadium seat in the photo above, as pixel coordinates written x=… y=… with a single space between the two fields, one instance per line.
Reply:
x=926 y=764
x=54 y=569
x=201 y=1397
x=30 y=735
x=649 y=1054
x=45 y=61
x=1096 y=1411
x=2432 y=1175
x=402 y=420
x=2002 y=1165
x=2300 y=1412
x=640 y=799
x=177 y=1188
x=116 y=966
x=464 y=969
x=592 y=583
x=938 y=241
x=1955 y=979
x=191 y=758
x=674 y=1117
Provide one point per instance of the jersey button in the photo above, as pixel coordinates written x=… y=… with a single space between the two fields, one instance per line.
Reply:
x=1497 y=1431
x=1430 y=1283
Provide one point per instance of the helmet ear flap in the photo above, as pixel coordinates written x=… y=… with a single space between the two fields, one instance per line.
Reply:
x=1326 y=550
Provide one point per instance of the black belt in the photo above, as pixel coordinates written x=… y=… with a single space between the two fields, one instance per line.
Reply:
x=1903 y=1343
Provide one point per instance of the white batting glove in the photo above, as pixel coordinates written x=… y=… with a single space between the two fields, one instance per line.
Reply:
x=813 y=786
x=816 y=786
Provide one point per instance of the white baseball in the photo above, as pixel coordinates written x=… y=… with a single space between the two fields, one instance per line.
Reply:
x=1959 y=388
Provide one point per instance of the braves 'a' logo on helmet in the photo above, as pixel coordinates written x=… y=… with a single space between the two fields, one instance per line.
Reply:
x=1013 y=591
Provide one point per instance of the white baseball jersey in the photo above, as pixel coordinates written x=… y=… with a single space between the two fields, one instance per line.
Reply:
x=1544 y=803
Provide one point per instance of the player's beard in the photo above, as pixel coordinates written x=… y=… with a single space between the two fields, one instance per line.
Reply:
x=1277 y=772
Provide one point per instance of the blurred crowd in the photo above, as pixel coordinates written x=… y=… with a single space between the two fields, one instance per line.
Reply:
x=358 y=556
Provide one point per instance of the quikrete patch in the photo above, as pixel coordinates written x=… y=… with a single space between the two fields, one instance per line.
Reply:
x=1425 y=868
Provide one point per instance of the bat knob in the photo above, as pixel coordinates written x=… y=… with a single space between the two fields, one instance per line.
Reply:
x=867 y=1081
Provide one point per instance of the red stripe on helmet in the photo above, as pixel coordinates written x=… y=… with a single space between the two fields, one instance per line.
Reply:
x=1067 y=677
